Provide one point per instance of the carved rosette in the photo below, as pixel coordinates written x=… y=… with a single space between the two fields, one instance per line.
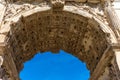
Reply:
x=57 y=5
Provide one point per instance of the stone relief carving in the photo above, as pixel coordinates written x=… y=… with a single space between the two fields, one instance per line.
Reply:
x=57 y=4
x=66 y=28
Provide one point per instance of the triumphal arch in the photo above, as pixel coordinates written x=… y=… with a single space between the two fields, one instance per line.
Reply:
x=88 y=29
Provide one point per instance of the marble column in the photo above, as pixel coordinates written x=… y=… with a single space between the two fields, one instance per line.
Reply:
x=113 y=18
x=3 y=75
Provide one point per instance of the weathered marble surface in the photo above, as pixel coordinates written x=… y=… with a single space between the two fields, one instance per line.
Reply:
x=85 y=28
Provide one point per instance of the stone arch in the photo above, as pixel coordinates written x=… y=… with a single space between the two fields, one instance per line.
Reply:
x=72 y=34
x=47 y=29
x=54 y=32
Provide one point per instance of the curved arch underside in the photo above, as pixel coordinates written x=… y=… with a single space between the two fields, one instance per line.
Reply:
x=77 y=31
x=46 y=31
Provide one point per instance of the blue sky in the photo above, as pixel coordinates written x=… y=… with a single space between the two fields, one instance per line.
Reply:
x=49 y=66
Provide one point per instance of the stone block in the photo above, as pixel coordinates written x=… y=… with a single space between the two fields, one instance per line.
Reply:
x=2 y=39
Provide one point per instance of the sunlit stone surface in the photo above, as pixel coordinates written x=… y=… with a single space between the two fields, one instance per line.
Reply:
x=88 y=29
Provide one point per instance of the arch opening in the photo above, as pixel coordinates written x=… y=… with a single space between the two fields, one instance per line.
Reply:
x=51 y=32
x=60 y=66
x=46 y=31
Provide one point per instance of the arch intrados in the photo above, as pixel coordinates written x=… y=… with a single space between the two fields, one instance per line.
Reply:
x=92 y=20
